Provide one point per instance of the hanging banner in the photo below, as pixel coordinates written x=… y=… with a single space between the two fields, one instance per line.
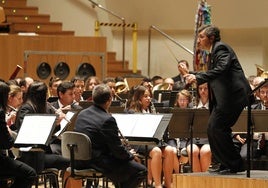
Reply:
x=203 y=17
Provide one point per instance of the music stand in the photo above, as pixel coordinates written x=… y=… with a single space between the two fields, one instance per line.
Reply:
x=181 y=126
x=143 y=129
x=249 y=124
x=36 y=130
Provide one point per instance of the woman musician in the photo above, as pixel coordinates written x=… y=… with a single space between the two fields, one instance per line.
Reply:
x=162 y=157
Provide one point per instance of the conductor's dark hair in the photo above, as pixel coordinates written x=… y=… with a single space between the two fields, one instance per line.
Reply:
x=211 y=31
x=101 y=94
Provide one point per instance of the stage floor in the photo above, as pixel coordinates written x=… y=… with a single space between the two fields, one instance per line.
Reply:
x=257 y=179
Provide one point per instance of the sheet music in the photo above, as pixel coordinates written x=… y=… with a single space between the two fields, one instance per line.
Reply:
x=64 y=122
x=35 y=129
x=138 y=125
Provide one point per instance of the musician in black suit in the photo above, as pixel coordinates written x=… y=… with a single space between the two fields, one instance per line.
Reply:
x=229 y=94
x=66 y=101
x=66 y=98
x=108 y=154
x=179 y=80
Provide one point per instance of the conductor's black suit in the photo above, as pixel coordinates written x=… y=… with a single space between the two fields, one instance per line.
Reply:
x=229 y=94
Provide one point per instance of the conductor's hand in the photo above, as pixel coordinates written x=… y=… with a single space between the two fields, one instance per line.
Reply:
x=190 y=78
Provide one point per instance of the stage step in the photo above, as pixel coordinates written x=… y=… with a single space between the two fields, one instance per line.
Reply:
x=28 y=18
x=257 y=179
x=21 y=10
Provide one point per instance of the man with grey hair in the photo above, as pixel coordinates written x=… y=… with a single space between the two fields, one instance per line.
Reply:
x=109 y=155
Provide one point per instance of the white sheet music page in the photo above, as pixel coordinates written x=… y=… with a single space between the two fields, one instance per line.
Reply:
x=146 y=125
x=35 y=129
x=64 y=122
x=138 y=125
x=125 y=123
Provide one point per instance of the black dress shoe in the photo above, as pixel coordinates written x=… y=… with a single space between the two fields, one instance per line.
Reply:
x=215 y=168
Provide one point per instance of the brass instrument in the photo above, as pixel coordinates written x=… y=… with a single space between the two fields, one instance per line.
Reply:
x=261 y=72
x=163 y=86
x=121 y=87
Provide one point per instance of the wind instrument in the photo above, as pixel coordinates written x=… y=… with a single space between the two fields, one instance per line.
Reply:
x=15 y=73
x=137 y=157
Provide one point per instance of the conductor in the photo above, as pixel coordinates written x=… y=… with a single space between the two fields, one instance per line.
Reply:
x=228 y=95
x=109 y=155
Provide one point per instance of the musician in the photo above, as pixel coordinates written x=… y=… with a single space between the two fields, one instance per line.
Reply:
x=66 y=97
x=179 y=80
x=36 y=103
x=201 y=149
x=161 y=157
x=109 y=156
x=65 y=102
x=259 y=147
x=24 y=85
x=110 y=81
x=23 y=174
x=53 y=84
x=91 y=82
x=79 y=88
x=229 y=94
x=14 y=102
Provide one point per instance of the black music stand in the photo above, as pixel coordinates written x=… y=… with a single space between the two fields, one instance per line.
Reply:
x=249 y=124
x=143 y=129
x=181 y=125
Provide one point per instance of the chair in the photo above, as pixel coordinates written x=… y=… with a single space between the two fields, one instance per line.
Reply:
x=77 y=146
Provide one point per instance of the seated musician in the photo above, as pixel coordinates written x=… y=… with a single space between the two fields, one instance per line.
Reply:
x=109 y=155
x=260 y=145
x=36 y=103
x=14 y=102
x=65 y=102
x=22 y=173
x=200 y=148
x=162 y=157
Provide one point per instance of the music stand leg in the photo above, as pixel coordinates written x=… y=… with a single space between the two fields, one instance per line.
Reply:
x=249 y=138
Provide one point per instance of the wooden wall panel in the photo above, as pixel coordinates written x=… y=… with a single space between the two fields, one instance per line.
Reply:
x=13 y=47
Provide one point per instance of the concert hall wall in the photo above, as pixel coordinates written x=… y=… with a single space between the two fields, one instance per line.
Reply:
x=13 y=48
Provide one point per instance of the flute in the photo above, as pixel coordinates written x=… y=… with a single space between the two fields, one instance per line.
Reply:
x=58 y=111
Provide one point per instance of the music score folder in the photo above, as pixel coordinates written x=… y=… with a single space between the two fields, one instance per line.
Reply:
x=143 y=127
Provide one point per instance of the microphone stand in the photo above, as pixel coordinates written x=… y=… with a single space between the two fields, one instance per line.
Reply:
x=123 y=27
x=250 y=127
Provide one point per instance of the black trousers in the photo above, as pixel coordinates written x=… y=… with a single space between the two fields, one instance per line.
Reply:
x=24 y=175
x=220 y=137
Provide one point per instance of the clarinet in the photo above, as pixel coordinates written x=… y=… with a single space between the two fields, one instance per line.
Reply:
x=137 y=157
